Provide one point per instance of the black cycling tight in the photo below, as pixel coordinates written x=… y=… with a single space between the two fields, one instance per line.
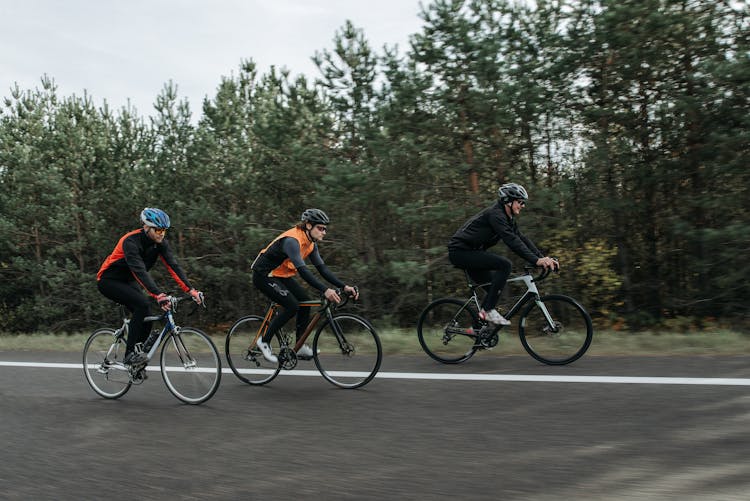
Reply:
x=130 y=295
x=288 y=293
x=480 y=265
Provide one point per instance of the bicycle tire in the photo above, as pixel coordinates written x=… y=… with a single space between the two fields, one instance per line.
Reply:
x=246 y=361
x=445 y=330
x=102 y=364
x=354 y=364
x=190 y=365
x=567 y=341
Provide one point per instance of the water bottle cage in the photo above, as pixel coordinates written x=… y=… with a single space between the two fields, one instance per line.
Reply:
x=150 y=341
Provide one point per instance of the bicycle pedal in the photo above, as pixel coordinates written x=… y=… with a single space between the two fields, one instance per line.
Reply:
x=139 y=377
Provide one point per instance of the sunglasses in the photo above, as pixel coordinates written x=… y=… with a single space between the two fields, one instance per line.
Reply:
x=321 y=228
x=523 y=204
x=159 y=231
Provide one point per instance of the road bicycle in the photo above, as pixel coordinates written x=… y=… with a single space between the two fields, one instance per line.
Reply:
x=190 y=363
x=346 y=349
x=554 y=329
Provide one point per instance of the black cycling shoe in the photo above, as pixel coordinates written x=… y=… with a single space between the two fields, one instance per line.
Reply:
x=134 y=358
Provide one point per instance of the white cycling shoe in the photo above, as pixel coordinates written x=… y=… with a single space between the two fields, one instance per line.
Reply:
x=305 y=352
x=493 y=317
x=267 y=352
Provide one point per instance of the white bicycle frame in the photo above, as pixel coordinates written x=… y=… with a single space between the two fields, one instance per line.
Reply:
x=531 y=290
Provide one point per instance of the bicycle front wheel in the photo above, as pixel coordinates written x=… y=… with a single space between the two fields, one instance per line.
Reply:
x=244 y=357
x=102 y=364
x=446 y=330
x=347 y=351
x=559 y=338
x=190 y=365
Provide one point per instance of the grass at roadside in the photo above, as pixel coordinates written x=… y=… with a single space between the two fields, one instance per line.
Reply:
x=718 y=342
x=404 y=341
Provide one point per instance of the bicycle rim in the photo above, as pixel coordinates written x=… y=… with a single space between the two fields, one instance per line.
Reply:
x=244 y=357
x=349 y=354
x=102 y=364
x=190 y=365
x=445 y=330
x=563 y=342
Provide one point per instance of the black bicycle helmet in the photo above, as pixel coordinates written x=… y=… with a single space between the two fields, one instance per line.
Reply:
x=315 y=216
x=511 y=191
x=156 y=218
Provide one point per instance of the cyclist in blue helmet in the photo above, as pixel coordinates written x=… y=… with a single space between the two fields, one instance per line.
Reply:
x=124 y=275
x=467 y=248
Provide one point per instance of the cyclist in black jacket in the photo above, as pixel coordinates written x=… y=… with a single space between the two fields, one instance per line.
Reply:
x=467 y=248
x=125 y=272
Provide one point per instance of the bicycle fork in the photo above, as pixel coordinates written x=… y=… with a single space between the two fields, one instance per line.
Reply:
x=187 y=361
x=346 y=347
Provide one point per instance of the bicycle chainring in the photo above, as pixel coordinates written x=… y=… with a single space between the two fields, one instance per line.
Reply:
x=488 y=339
x=138 y=374
x=287 y=358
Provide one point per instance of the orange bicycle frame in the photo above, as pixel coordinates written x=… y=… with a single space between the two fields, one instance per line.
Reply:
x=310 y=325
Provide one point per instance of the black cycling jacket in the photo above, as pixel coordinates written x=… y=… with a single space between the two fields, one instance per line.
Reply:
x=488 y=227
x=134 y=255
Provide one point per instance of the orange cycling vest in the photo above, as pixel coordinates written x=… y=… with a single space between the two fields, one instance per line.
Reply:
x=286 y=269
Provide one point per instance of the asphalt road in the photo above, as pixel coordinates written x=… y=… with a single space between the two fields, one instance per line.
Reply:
x=397 y=438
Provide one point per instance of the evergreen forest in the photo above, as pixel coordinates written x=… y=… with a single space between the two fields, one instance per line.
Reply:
x=626 y=120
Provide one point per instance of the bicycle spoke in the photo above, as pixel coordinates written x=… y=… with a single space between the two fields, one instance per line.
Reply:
x=565 y=339
x=102 y=364
x=190 y=366
x=348 y=352
x=244 y=358
x=446 y=331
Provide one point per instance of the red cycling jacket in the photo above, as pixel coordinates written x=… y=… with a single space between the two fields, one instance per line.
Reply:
x=134 y=255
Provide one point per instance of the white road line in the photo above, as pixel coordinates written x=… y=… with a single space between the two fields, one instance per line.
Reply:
x=472 y=377
x=43 y=365
x=571 y=379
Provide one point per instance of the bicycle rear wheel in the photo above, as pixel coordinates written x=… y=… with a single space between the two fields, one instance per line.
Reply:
x=564 y=340
x=244 y=357
x=446 y=330
x=190 y=365
x=102 y=364
x=347 y=352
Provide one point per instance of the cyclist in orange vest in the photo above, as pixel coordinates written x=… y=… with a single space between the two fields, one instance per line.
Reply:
x=274 y=270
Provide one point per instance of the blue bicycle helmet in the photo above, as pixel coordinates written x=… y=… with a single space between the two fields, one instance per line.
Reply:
x=156 y=218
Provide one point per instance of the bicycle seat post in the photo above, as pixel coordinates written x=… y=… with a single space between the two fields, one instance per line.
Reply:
x=469 y=282
x=473 y=287
x=468 y=278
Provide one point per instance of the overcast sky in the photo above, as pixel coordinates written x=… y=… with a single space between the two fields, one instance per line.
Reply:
x=128 y=49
